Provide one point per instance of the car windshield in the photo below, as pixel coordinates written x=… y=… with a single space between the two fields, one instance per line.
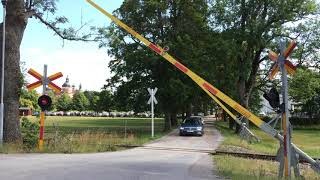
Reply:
x=191 y=121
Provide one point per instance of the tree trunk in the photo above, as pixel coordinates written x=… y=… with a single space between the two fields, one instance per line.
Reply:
x=189 y=110
x=15 y=26
x=244 y=99
x=245 y=85
x=174 y=121
x=167 y=121
x=205 y=108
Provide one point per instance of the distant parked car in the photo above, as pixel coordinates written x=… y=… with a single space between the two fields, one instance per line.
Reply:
x=191 y=126
x=35 y=113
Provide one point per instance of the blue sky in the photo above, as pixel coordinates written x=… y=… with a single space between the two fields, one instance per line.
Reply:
x=83 y=62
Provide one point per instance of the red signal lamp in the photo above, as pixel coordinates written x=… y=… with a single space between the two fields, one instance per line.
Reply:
x=44 y=102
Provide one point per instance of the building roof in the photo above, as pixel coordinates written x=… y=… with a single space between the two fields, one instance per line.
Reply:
x=67 y=83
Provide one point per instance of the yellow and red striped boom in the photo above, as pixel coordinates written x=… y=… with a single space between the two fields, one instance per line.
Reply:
x=209 y=89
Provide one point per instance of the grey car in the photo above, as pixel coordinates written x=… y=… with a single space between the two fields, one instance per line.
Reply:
x=191 y=126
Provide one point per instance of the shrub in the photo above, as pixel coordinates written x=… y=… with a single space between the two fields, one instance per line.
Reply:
x=30 y=133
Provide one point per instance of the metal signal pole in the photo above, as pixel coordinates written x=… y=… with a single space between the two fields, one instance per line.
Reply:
x=285 y=115
x=4 y=4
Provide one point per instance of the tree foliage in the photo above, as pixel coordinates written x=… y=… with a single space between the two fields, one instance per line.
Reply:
x=183 y=27
x=305 y=90
x=223 y=41
x=104 y=101
x=80 y=102
x=64 y=102
x=304 y=85
x=29 y=99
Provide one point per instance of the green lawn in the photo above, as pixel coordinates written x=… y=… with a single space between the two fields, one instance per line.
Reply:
x=91 y=134
x=306 y=138
x=77 y=124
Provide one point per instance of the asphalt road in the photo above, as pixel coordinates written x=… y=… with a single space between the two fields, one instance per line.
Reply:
x=172 y=157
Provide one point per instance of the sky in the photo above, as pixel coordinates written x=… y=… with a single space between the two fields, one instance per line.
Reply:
x=83 y=62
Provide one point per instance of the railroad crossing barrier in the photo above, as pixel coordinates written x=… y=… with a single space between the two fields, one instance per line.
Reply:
x=213 y=92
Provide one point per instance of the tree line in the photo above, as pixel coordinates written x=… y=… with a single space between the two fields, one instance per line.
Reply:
x=81 y=101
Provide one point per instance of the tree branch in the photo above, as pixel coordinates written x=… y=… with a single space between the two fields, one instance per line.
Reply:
x=59 y=33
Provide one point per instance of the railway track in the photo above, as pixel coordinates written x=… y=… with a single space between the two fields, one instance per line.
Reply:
x=214 y=152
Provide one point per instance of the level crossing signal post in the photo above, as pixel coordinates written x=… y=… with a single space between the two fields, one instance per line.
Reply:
x=44 y=101
x=287 y=156
x=152 y=100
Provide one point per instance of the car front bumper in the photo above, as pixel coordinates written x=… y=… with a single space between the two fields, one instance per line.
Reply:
x=191 y=132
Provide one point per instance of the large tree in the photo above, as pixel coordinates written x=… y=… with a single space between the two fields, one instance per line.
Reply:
x=223 y=41
x=254 y=25
x=18 y=13
x=180 y=25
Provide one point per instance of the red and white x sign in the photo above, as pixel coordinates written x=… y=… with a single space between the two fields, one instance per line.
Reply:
x=291 y=69
x=42 y=80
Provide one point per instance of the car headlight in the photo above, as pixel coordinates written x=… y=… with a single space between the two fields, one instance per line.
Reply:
x=181 y=128
x=199 y=128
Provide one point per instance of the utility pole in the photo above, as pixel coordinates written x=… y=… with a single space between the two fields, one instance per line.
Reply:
x=4 y=4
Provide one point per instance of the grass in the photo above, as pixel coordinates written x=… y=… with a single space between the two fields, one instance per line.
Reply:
x=306 y=138
x=252 y=169
x=91 y=134
x=76 y=124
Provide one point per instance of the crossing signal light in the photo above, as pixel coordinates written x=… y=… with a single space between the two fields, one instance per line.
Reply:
x=44 y=102
x=273 y=98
